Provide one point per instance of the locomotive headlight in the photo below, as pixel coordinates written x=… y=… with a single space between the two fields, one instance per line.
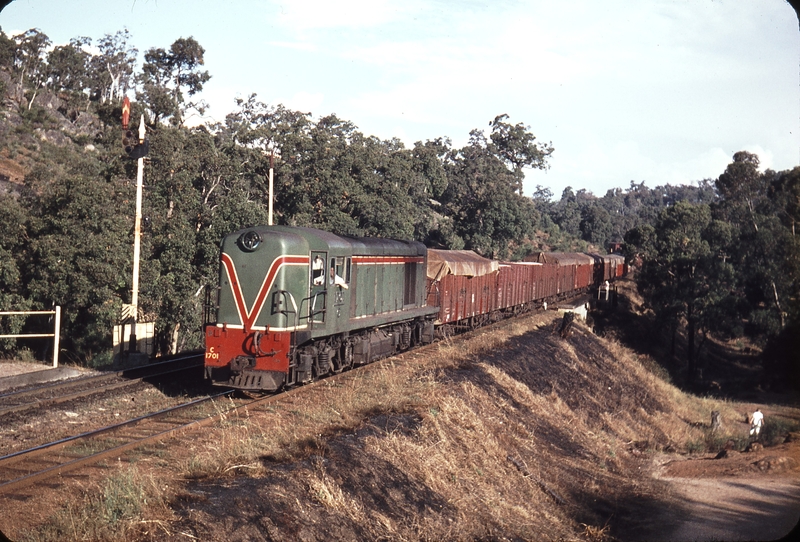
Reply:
x=250 y=240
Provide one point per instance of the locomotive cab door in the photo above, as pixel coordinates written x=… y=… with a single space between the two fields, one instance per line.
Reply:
x=317 y=304
x=338 y=284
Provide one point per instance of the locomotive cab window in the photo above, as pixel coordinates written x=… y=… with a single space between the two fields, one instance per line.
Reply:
x=318 y=269
x=339 y=274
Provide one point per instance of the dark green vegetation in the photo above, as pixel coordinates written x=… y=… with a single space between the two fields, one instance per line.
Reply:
x=729 y=268
x=67 y=199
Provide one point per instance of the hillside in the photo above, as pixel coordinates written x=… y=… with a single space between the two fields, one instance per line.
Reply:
x=508 y=434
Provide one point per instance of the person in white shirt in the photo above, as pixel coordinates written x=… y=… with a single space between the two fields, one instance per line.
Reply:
x=318 y=268
x=337 y=280
x=757 y=422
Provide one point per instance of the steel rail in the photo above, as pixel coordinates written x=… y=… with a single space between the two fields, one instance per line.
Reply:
x=61 y=468
x=148 y=371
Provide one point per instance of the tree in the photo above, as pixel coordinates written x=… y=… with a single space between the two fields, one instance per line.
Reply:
x=78 y=248
x=596 y=226
x=683 y=277
x=29 y=63
x=67 y=69
x=742 y=189
x=13 y=236
x=765 y=251
x=111 y=71
x=480 y=198
x=567 y=213
x=168 y=77
x=516 y=146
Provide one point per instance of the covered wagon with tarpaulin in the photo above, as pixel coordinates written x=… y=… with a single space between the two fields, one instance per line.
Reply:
x=463 y=285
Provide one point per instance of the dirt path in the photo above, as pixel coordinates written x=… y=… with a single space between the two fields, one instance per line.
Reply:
x=735 y=509
x=742 y=497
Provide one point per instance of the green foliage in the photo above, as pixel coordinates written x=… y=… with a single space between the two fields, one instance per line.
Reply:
x=683 y=277
x=481 y=198
x=77 y=248
x=12 y=288
x=168 y=77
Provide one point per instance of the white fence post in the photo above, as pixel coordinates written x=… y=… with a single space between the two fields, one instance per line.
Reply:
x=56 y=335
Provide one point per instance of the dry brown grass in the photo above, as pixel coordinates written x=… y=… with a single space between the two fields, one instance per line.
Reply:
x=508 y=433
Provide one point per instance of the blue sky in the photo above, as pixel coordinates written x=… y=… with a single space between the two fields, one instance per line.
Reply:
x=660 y=91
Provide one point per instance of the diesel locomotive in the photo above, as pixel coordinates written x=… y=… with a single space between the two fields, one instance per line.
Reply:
x=295 y=303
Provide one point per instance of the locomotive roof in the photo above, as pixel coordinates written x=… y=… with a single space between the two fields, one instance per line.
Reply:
x=321 y=240
x=458 y=262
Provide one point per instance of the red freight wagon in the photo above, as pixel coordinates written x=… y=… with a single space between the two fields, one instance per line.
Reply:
x=618 y=261
x=519 y=283
x=461 y=283
x=575 y=270
x=604 y=267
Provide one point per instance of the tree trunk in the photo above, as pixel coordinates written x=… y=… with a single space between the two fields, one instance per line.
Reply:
x=174 y=346
x=778 y=305
x=674 y=335
x=690 y=354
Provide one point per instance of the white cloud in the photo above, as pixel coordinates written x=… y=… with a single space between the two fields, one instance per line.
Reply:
x=296 y=45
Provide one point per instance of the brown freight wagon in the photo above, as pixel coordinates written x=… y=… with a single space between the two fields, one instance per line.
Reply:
x=463 y=285
x=522 y=283
x=575 y=270
x=619 y=264
x=604 y=267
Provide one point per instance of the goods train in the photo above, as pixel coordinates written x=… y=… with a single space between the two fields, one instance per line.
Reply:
x=294 y=304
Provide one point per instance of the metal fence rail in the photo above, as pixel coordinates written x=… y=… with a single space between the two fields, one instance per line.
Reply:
x=56 y=329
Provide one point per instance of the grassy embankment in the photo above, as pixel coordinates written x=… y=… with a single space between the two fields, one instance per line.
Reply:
x=510 y=433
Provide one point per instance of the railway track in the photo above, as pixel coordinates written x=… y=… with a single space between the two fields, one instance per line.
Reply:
x=69 y=390
x=60 y=458
x=57 y=458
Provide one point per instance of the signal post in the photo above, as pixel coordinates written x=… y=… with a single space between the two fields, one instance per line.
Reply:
x=136 y=148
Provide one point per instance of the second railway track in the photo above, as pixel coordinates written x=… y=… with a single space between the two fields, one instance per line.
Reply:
x=77 y=388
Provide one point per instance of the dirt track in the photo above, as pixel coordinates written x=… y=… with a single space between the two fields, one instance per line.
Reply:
x=732 y=509
x=743 y=497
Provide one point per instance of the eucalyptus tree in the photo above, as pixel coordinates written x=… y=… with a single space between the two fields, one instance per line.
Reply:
x=765 y=252
x=171 y=76
x=488 y=215
x=7 y=47
x=68 y=72
x=567 y=212
x=685 y=278
x=111 y=71
x=516 y=146
x=29 y=64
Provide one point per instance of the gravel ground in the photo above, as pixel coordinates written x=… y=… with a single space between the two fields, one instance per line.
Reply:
x=13 y=368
